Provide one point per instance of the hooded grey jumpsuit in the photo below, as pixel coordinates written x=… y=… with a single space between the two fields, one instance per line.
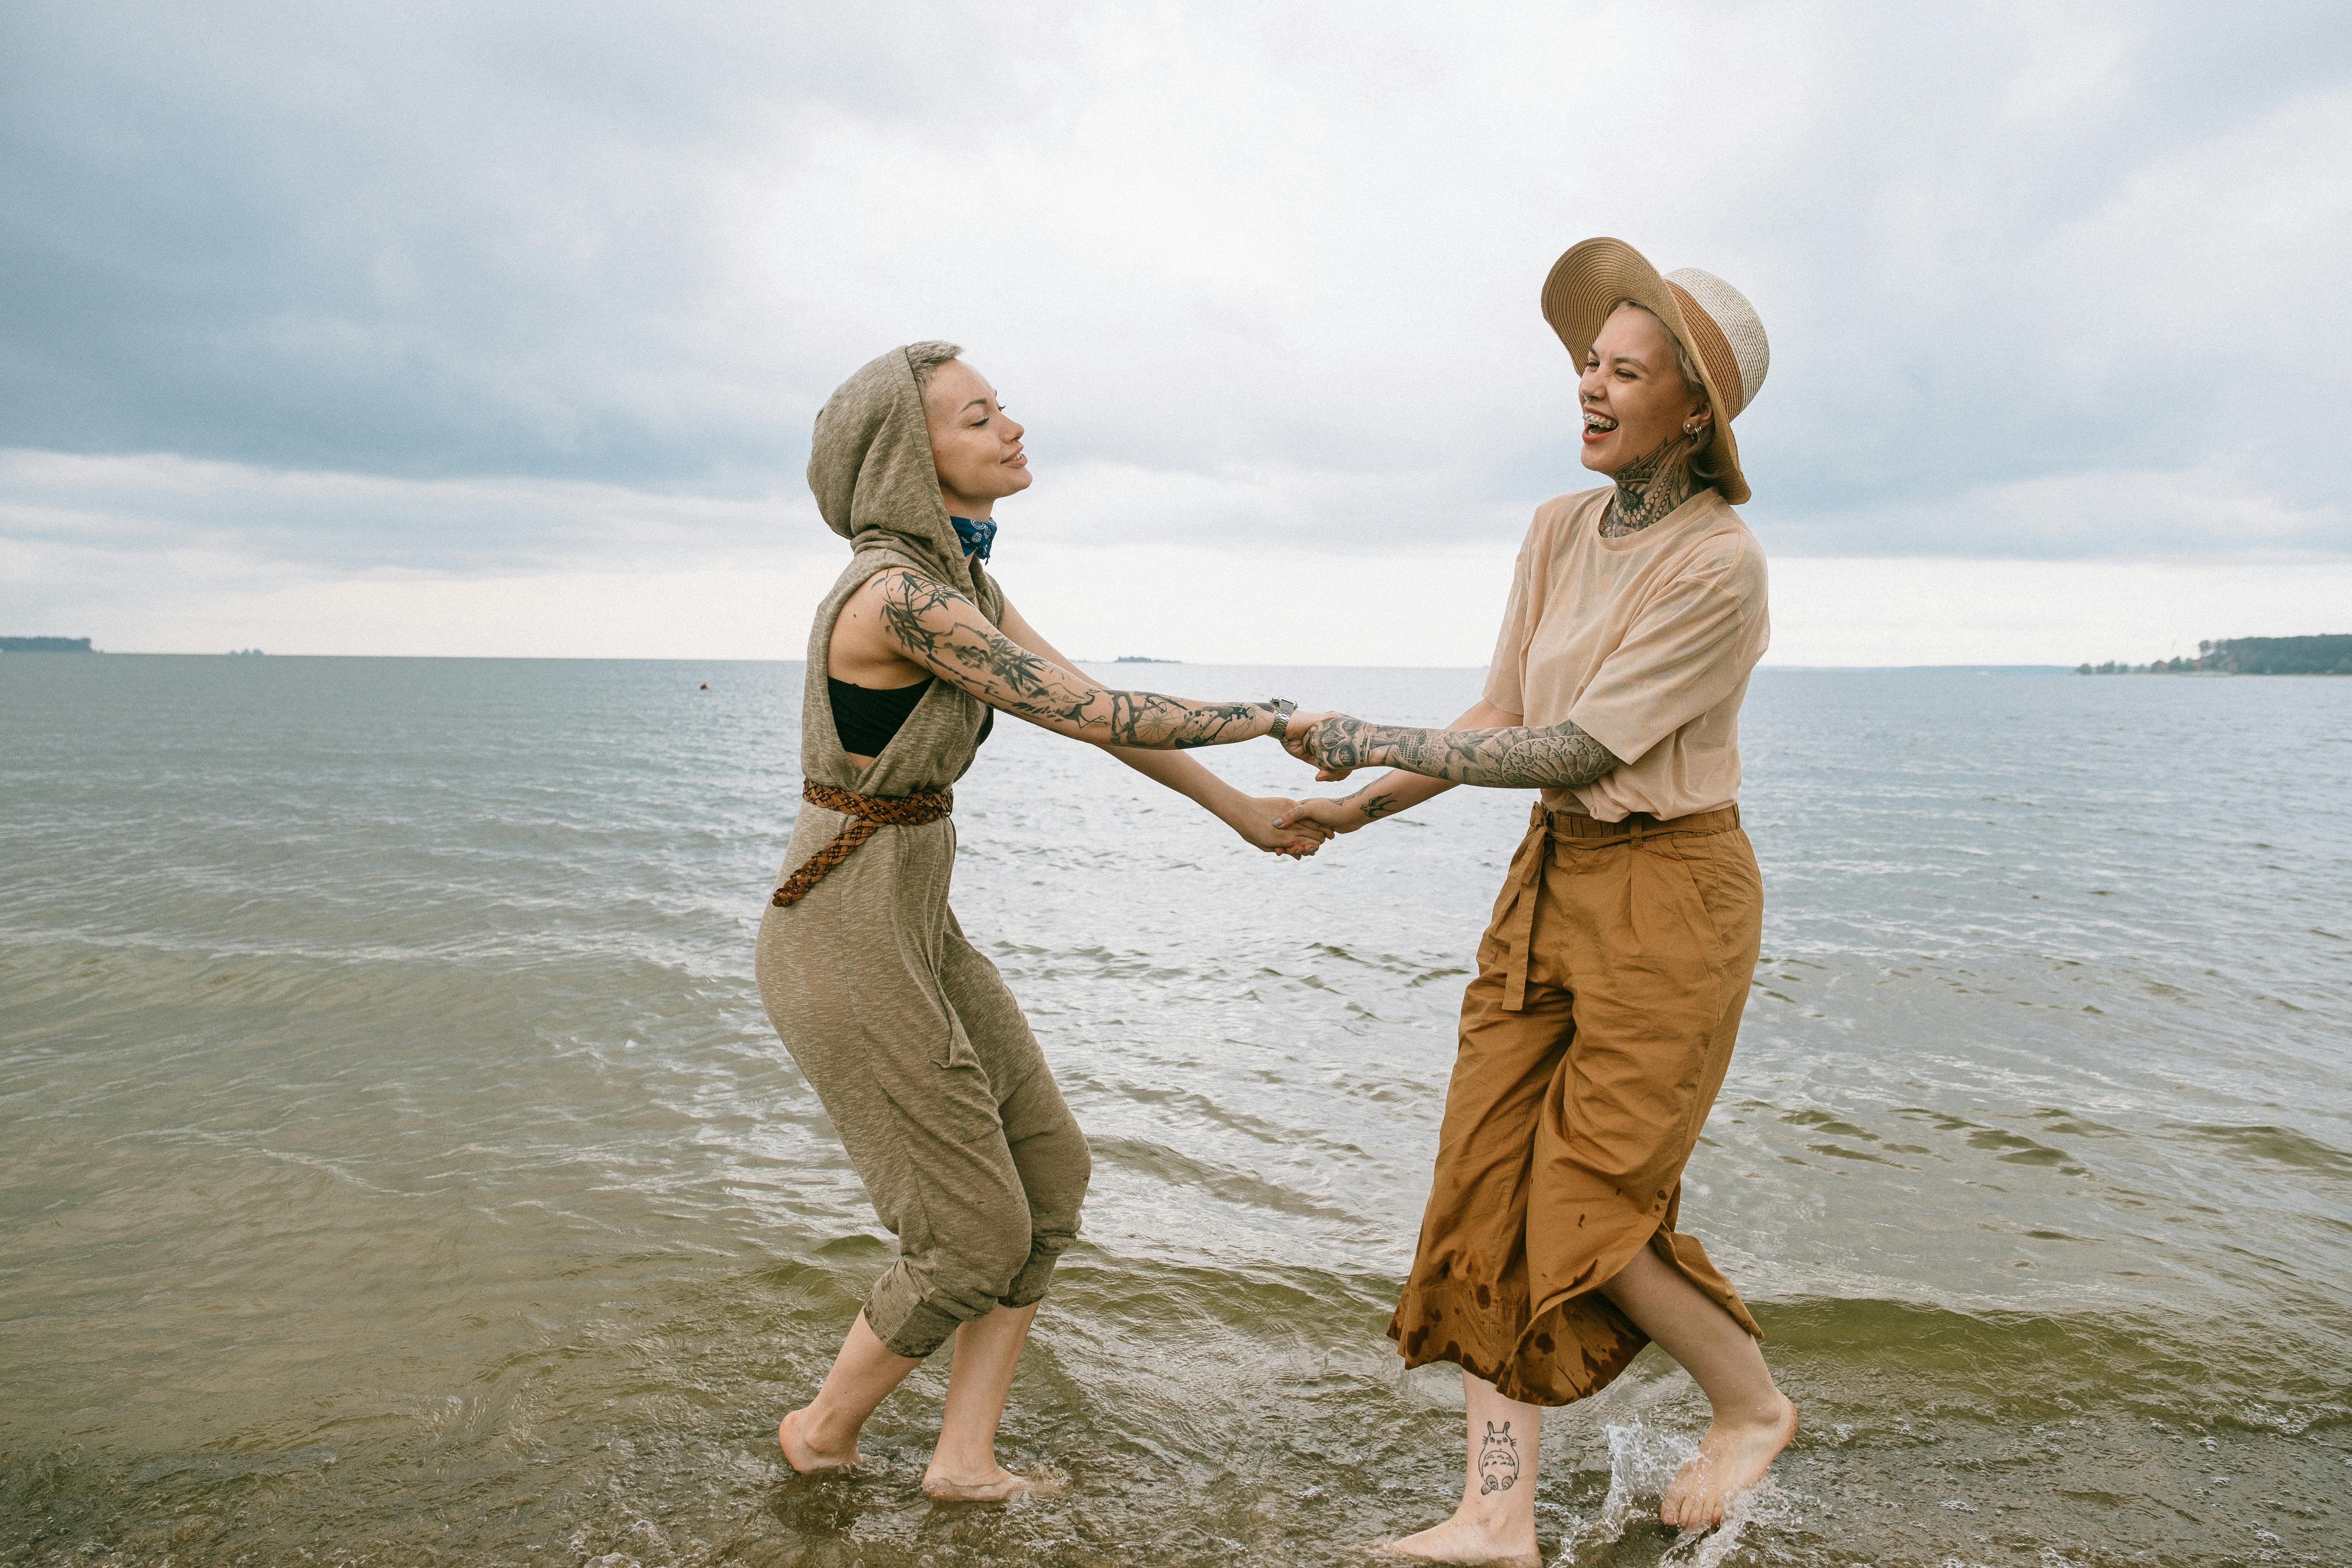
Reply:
x=907 y=1033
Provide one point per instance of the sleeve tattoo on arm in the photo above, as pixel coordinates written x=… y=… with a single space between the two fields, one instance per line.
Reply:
x=1559 y=756
x=943 y=630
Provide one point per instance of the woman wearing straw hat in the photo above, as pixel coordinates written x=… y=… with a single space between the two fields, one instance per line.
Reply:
x=1612 y=978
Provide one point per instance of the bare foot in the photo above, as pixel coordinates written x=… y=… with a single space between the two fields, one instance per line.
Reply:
x=1732 y=1457
x=1464 y=1539
x=1002 y=1486
x=806 y=1456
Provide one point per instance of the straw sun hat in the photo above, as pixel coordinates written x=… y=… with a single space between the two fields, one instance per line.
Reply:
x=1713 y=321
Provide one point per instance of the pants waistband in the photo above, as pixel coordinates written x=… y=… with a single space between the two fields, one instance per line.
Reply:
x=1516 y=924
x=1575 y=827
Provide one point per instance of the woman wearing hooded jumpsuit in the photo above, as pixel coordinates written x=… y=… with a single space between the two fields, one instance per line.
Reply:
x=906 y=1031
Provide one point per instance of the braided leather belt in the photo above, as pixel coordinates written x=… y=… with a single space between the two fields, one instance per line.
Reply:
x=868 y=813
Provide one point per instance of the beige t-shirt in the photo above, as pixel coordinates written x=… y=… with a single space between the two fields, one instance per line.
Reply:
x=1644 y=642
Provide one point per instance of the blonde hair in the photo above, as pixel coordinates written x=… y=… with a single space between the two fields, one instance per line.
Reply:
x=1704 y=465
x=1684 y=363
x=925 y=359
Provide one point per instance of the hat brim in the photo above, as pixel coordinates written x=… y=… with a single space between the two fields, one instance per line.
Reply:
x=1589 y=279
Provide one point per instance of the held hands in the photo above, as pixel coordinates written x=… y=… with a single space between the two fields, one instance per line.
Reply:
x=1299 y=827
x=1331 y=816
x=1260 y=820
x=1308 y=736
x=1333 y=742
x=1297 y=737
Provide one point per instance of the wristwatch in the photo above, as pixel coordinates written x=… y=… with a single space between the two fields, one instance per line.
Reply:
x=1283 y=709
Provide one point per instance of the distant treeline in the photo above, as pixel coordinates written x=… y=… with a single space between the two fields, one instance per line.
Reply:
x=2246 y=656
x=46 y=645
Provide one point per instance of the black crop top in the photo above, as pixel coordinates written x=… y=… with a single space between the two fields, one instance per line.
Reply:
x=867 y=717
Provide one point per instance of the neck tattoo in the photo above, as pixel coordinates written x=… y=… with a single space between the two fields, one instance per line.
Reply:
x=1650 y=487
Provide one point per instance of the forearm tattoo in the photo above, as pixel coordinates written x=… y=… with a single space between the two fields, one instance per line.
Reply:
x=1498 y=1460
x=945 y=632
x=1650 y=487
x=1561 y=756
x=1372 y=801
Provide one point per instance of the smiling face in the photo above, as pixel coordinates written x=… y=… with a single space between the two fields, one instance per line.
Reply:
x=1632 y=393
x=974 y=445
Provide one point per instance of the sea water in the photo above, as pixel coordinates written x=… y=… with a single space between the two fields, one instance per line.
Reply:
x=396 y=1165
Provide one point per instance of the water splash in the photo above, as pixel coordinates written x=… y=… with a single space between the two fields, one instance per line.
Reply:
x=1642 y=1460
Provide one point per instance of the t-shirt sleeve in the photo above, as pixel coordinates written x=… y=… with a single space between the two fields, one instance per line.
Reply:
x=1689 y=650
x=1506 y=676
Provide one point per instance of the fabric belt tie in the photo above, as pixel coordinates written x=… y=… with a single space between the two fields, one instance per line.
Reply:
x=868 y=813
x=1516 y=929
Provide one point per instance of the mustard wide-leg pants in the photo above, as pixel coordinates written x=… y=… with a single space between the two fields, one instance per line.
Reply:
x=1593 y=1042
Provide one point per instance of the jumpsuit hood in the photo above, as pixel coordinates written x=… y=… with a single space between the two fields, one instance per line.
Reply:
x=871 y=469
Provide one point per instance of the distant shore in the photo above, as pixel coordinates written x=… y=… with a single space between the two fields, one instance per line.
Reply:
x=2245 y=656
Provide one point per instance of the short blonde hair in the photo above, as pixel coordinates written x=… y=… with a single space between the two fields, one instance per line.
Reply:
x=1703 y=463
x=1683 y=361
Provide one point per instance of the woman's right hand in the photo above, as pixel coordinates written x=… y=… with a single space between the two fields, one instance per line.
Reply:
x=1331 y=816
x=1264 y=822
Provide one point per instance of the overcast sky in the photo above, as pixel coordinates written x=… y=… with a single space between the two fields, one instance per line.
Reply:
x=497 y=328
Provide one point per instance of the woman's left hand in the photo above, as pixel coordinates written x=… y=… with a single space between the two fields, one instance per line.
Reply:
x=1255 y=823
x=1294 y=735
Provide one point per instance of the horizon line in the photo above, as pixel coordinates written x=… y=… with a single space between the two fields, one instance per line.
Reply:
x=2051 y=666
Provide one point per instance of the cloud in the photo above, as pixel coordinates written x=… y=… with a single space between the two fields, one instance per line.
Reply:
x=352 y=522
x=2224 y=509
x=528 y=288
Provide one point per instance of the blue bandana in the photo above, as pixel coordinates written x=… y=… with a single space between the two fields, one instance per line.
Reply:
x=976 y=536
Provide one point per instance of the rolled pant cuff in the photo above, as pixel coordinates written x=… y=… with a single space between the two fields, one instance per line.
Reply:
x=918 y=1328
x=1028 y=1287
x=915 y=1332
